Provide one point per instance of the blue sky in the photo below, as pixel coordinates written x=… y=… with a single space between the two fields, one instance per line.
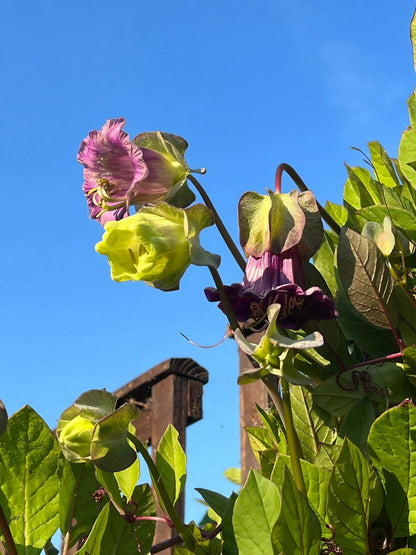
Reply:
x=248 y=86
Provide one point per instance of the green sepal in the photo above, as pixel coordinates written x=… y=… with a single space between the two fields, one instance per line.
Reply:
x=110 y=449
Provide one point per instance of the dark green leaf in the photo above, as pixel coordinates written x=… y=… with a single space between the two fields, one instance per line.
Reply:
x=3 y=418
x=366 y=279
x=112 y=534
x=316 y=483
x=297 y=530
x=348 y=499
x=215 y=500
x=358 y=421
x=77 y=506
x=369 y=339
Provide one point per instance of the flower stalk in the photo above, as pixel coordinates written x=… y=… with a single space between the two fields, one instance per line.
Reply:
x=302 y=187
x=7 y=535
x=162 y=493
x=218 y=222
x=295 y=449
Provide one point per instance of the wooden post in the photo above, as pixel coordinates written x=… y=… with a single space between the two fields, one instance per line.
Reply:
x=169 y=393
x=250 y=394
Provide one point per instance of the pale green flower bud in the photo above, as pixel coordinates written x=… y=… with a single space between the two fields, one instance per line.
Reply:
x=76 y=436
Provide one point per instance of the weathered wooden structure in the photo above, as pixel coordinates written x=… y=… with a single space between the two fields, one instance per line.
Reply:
x=169 y=393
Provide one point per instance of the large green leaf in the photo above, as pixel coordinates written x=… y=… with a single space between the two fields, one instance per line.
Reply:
x=308 y=423
x=413 y=37
x=403 y=218
x=357 y=422
x=324 y=262
x=348 y=499
x=255 y=513
x=297 y=530
x=411 y=103
x=113 y=534
x=338 y=400
x=392 y=445
x=356 y=193
x=29 y=486
x=407 y=155
x=370 y=339
x=171 y=463
x=316 y=483
x=77 y=506
x=383 y=166
x=366 y=278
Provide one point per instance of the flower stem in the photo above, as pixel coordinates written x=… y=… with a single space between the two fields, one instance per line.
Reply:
x=162 y=493
x=226 y=305
x=7 y=535
x=271 y=383
x=218 y=222
x=303 y=188
x=295 y=449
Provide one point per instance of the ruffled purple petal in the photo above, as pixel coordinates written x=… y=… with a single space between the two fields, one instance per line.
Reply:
x=297 y=306
x=109 y=155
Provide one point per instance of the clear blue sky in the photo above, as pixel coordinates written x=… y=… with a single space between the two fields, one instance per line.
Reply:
x=249 y=85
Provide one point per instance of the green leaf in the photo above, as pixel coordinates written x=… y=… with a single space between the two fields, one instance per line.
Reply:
x=127 y=479
x=29 y=486
x=260 y=440
x=356 y=192
x=171 y=463
x=403 y=218
x=358 y=421
x=369 y=339
x=383 y=166
x=337 y=212
x=335 y=400
x=112 y=534
x=407 y=155
x=303 y=422
x=77 y=507
x=255 y=513
x=316 y=483
x=234 y=475
x=409 y=364
x=3 y=418
x=404 y=551
x=407 y=316
x=297 y=530
x=324 y=262
x=110 y=484
x=413 y=37
x=215 y=500
x=392 y=445
x=348 y=499
x=230 y=544
x=411 y=103
x=381 y=234
x=366 y=278
x=110 y=449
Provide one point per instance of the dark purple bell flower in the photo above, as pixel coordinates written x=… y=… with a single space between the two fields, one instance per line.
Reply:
x=276 y=279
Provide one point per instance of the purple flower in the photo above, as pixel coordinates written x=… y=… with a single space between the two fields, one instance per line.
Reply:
x=276 y=279
x=118 y=174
